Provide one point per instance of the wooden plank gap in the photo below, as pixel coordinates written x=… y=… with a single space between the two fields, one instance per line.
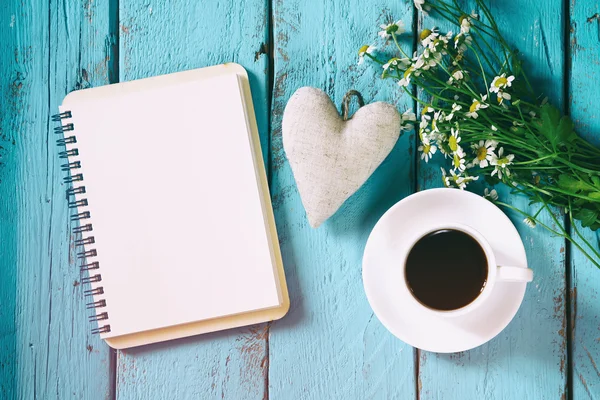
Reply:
x=569 y=300
x=417 y=358
x=414 y=175
x=270 y=82
x=114 y=41
x=112 y=374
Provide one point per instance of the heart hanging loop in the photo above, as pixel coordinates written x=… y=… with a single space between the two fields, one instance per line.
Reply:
x=346 y=102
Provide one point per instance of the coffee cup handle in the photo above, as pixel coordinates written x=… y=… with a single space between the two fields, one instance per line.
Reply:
x=514 y=274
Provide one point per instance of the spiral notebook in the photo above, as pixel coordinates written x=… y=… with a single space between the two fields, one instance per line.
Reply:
x=174 y=227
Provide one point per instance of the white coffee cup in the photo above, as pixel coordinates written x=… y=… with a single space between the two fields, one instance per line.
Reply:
x=496 y=273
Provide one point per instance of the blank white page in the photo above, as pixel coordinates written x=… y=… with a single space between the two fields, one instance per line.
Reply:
x=175 y=201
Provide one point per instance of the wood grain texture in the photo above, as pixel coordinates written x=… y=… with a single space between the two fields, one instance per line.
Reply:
x=46 y=350
x=330 y=345
x=528 y=359
x=164 y=37
x=585 y=279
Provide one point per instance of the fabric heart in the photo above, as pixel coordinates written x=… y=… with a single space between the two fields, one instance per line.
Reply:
x=331 y=157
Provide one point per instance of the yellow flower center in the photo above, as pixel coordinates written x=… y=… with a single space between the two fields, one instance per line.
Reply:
x=456 y=161
x=363 y=50
x=481 y=153
x=425 y=110
x=425 y=34
x=426 y=148
x=501 y=82
x=475 y=106
x=408 y=72
x=452 y=143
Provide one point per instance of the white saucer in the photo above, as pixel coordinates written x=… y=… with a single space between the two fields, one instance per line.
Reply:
x=385 y=252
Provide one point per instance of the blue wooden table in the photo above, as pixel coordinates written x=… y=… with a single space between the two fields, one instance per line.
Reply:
x=330 y=345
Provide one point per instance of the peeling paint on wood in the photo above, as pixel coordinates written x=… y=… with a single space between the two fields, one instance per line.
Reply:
x=330 y=345
x=585 y=279
x=44 y=331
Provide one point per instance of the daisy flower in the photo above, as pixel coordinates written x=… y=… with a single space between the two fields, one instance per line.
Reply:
x=491 y=195
x=455 y=108
x=428 y=60
x=454 y=139
x=501 y=82
x=365 y=50
x=458 y=160
x=484 y=151
x=457 y=76
x=427 y=36
x=465 y=22
x=426 y=111
x=408 y=116
x=462 y=42
x=436 y=117
x=476 y=106
x=503 y=96
x=440 y=43
x=501 y=163
x=442 y=143
x=405 y=81
x=427 y=150
x=457 y=180
x=405 y=62
x=390 y=29
x=424 y=123
x=530 y=222
x=445 y=178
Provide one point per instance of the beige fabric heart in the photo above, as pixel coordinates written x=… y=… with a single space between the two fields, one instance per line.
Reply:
x=332 y=158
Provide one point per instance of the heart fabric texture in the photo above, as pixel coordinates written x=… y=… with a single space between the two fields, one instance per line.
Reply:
x=332 y=158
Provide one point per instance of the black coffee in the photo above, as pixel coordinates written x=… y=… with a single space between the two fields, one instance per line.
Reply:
x=446 y=270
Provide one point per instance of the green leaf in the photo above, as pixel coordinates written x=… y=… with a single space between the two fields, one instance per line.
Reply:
x=594 y=195
x=587 y=217
x=596 y=181
x=558 y=130
x=571 y=183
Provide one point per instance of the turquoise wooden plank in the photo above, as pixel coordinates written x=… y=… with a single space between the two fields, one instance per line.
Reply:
x=46 y=349
x=330 y=345
x=585 y=278
x=170 y=36
x=528 y=359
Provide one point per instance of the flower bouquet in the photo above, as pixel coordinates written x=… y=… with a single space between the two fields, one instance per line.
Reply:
x=479 y=110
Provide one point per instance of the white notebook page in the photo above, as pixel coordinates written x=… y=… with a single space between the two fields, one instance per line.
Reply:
x=175 y=203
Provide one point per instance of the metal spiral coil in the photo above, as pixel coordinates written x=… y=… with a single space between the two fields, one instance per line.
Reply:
x=88 y=265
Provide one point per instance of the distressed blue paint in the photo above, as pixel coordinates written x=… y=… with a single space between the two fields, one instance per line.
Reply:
x=526 y=360
x=46 y=349
x=169 y=36
x=331 y=345
x=585 y=279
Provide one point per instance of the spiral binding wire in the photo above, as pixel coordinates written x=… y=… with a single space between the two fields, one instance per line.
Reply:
x=86 y=256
